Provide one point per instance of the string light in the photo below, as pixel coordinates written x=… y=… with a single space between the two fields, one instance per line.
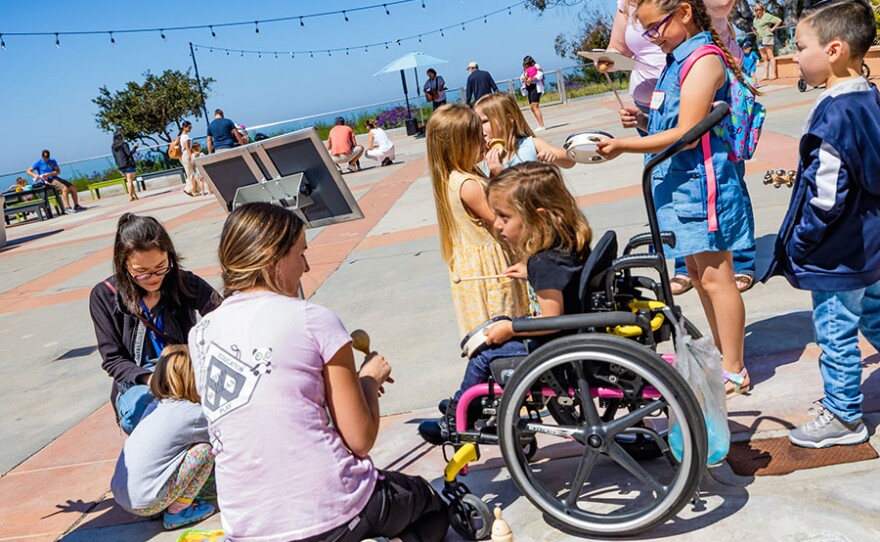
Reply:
x=213 y=34
x=386 y=9
x=398 y=41
x=508 y=11
x=423 y=4
x=257 y=27
x=301 y=23
x=162 y=33
x=57 y=41
x=3 y=43
x=345 y=15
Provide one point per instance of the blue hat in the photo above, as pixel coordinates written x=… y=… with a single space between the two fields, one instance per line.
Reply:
x=746 y=44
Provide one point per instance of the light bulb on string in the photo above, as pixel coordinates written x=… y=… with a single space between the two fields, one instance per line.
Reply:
x=227 y=52
x=3 y=43
x=276 y=56
x=57 y=41
x=386 y=45
x=423 y=4
x=301 y=23
x=366 y=50
x=344 y=14
x=329 y=53
x=398 y=43
x=508 y=11
x=257 y=27
x=346 y=52
x=420 y=38
x=291 y=55
x=242 y=54
x=259 y=55
x=312 y=54
x=112 y=40
x=386 y=9
x=213 y=34
x=162 y=34
x=462 y=27
x=485 y=20
x=442 y=35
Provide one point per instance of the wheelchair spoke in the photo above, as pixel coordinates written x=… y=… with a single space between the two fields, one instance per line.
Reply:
x=583 y=472
x=617 y=453
x=588 y=408
x=616 y=426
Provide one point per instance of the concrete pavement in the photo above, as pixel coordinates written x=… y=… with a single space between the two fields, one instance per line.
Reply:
x=385 y=274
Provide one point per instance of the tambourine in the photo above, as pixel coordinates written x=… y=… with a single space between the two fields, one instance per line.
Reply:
x=582 y=146
x=475 y=341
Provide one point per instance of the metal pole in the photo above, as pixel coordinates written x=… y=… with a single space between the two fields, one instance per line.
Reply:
x=418 y=94
x=192 y=53
x=405 y=92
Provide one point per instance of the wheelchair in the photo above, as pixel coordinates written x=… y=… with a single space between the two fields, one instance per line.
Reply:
x=600 y=397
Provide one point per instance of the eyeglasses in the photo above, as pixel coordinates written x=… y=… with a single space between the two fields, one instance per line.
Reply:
x=654 y=32
x=141 y=277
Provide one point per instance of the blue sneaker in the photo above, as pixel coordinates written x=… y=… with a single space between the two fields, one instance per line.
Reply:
x=191 y=514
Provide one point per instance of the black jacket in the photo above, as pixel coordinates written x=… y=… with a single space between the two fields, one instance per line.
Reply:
x=123 y=156
x=116 y=328
x=479 y=83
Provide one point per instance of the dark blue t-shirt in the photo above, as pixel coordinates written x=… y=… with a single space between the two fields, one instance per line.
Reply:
x=221 y=132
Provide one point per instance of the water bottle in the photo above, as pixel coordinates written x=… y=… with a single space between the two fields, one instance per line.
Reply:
x=719 y=440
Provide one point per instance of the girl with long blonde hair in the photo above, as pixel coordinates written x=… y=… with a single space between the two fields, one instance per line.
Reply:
x=455 y=145
x=502 y=119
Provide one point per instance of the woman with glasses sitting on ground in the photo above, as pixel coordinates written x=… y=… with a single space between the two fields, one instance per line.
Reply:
x=149 y=302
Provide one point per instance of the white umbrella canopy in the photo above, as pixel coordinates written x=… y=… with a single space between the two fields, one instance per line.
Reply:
x=412 y=60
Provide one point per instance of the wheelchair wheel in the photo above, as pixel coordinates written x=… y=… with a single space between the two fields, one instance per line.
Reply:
x=592 y=486
x=470 y=517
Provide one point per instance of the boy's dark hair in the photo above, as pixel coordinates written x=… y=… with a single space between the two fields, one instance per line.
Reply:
x=45 y=153
x=851 y=21
x=432 y=70
x=218 y=111
x=339 y=121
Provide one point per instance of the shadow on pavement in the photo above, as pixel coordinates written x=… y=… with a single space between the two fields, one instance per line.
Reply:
x=14 y=243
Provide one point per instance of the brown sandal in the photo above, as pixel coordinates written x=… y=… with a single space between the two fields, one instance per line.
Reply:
x=744 y=282
x=683 y=282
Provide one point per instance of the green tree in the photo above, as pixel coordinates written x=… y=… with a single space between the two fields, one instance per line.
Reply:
x=146 y=111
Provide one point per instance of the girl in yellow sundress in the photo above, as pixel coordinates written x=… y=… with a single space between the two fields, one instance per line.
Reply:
x=455 y=145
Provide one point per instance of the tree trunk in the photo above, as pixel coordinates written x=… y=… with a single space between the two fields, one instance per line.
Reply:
x=741 y=16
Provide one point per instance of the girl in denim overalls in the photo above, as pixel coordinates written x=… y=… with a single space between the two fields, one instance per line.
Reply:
x=679 y=27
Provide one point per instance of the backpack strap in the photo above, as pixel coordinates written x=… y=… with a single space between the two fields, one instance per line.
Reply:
x=711 y=180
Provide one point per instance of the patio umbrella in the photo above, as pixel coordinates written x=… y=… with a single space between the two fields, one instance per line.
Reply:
x=412 y=60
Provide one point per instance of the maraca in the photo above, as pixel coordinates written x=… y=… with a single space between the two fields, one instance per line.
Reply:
x=360 y=341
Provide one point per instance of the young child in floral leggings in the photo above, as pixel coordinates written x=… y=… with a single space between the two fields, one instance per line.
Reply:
x=167 y=458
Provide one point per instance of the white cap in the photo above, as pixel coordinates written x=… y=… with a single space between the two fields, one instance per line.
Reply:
x=473 y=64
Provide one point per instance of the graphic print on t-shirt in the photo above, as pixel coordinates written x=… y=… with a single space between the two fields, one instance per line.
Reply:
x=230 y=382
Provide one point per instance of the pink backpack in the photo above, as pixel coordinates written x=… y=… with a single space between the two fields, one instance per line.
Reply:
x=739 y=131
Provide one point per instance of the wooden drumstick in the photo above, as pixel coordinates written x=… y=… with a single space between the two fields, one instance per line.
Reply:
x=616 y=95
x=456 y=279
x=360 y=341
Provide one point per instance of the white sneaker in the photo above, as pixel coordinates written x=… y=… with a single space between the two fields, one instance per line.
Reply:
x=539 y=129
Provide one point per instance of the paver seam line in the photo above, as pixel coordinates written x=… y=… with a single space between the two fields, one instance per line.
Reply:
x=25 y=537
x=16 y=472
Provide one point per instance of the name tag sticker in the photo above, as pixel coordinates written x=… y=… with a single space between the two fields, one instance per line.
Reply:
x=657 y=99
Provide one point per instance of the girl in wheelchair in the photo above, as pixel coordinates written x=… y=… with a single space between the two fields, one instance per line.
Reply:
x=539 y=219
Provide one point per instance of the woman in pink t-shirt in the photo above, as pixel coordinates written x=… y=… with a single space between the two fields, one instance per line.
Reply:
x=291 y=420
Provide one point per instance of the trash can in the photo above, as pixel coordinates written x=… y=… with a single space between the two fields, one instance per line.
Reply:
x=2 y=224
x=412 y=127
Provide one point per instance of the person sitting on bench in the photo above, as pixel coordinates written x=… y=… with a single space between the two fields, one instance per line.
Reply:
x=46 y=170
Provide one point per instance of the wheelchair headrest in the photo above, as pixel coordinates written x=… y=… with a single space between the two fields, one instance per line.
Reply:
x=597 y=264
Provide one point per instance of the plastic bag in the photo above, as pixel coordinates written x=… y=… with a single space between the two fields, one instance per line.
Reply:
x=698 y=361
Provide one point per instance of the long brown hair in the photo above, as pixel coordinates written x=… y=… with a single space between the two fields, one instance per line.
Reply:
x=550 y=214
x=254 y=238
x=453 y=138
x=173 y=377
x=703 y=22
x=141 y=234
x=506 y=119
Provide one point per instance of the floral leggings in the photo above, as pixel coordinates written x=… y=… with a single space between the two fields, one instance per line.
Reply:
x=186 y=483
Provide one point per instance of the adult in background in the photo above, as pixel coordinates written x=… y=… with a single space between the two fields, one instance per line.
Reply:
x=435 y=89
x=764 y=26
x=149 y=302
x=479 y=83
x=222 y=133
x=186 y=159
x=379 y=145
x=124 y=157
x=343 y=145
x=627 y=38
x=46 y=170
x=532 y=79
x=274 y=345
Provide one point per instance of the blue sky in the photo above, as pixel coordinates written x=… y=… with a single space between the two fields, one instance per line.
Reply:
x=47 y=91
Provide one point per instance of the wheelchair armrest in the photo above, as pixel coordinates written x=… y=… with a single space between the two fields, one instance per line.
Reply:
x=574 y=321
x=630 y=261
x=644 y=239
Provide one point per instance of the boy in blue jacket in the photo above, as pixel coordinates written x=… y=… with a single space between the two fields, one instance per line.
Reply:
x=829 y=242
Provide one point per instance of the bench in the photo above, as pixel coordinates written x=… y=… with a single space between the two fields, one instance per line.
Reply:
x=141 y=179
x=95 y=188
x=38 y=207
